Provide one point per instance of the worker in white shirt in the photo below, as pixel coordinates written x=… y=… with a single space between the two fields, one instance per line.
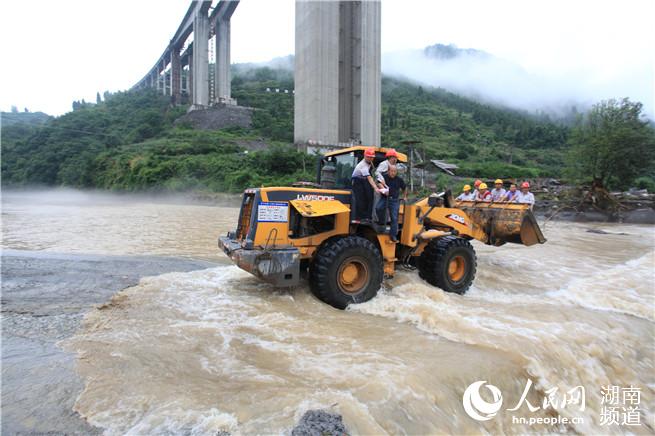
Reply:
x=383 y=168
x=364 y=186
x=524 y=195
x=466 y=195
x=498 y=193
x=476 y=186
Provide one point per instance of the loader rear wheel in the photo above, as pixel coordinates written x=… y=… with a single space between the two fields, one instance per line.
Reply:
x=346 y=270
x=448 y=263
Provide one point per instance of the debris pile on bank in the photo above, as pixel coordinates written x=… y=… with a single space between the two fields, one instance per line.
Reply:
x=593 y=203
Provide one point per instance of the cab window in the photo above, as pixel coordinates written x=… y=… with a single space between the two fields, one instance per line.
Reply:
x=345 y=164
x=342 y=167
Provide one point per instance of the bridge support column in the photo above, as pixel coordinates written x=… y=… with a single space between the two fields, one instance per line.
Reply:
x=201 y=58
x=176 y=75
x=338 y=72
x=164 y=89
x=189 y=78
x=222 y=74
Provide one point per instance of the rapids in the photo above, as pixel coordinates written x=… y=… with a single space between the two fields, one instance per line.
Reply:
x=216 y=349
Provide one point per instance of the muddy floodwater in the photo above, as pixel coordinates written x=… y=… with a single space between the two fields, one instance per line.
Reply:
x=215 y=349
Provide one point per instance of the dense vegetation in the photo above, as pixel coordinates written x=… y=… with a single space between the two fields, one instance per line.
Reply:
x=127 y=141
x=483 y=140
x=613 y=145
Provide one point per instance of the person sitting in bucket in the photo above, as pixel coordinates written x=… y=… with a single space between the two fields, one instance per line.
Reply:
x=525 y=196
x=466 y=195
x=476 y=187
x=509 y=196
x=498 y=193
x=483 y=193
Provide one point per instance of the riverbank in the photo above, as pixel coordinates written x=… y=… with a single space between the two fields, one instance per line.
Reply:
x=44 y=298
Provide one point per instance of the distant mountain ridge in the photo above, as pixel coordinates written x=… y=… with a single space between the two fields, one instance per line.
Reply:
x=30 y=118
x=451 y=51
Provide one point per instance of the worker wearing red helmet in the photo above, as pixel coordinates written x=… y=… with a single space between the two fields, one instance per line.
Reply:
x=383 y=168
x=476 y=187
x=524 y=195
x=364 y=186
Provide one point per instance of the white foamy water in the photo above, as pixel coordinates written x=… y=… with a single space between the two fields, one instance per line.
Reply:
x=217 y=350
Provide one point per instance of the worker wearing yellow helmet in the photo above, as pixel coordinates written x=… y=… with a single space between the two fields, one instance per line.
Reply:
x=466 y=195
x=498 y=193
x=483 y=193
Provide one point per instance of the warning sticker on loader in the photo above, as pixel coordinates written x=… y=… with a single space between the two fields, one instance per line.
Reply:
x=272 y=212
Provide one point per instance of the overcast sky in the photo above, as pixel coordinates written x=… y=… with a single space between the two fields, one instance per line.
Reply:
x=55 y=52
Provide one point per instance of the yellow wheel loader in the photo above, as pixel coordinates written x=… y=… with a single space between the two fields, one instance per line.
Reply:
x=308 y=230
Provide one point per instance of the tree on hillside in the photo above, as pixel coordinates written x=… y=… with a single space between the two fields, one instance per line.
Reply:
x=611 y=144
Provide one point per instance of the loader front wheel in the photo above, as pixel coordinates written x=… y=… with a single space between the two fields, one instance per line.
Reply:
x=345 y=271
x=448 y=263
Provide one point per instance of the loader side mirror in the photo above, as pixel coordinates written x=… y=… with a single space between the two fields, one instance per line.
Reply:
x=433 y=200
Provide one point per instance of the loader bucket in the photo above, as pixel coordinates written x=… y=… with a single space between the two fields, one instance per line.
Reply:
x=504 y=222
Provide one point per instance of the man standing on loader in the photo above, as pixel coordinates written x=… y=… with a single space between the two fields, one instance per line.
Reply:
x=364 y=186
x=383 y=168
x=391 y=201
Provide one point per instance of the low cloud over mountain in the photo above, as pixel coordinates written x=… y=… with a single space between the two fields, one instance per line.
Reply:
x=482 y=76
x=487 y=78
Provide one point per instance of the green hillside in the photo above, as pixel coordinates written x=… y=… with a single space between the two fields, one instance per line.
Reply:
x=128 y=141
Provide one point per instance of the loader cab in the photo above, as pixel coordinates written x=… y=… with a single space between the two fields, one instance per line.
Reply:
x=335 y=168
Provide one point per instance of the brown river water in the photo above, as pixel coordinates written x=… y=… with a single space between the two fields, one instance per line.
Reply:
x=216 y=349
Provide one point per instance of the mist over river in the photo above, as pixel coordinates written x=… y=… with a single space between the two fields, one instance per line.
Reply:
x=215 y=349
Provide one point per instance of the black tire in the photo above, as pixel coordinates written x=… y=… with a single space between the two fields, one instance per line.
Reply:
x=435 y=261
x=329 y=264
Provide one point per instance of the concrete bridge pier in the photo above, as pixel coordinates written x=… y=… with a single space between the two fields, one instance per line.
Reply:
x=189 y=79
x=222 y=82
x=176 y=74
x=201 y=58
x=338 y=78
x=164 y=89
